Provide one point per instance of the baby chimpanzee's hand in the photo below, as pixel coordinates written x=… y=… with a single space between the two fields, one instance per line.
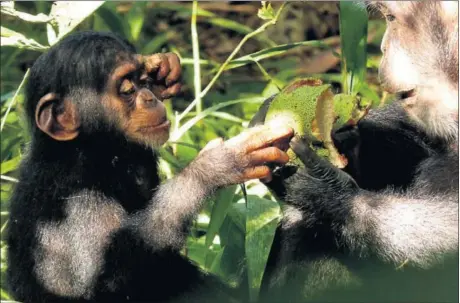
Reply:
x=243 y=157
x=165 y=72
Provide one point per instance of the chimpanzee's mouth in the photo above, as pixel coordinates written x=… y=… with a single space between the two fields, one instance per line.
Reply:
x=406 y=94
x=163 y=124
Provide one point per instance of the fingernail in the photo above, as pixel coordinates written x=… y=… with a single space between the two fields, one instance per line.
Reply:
x=278 y=125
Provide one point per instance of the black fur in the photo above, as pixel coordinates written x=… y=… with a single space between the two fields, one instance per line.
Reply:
x=345 y=236
x=89 y=221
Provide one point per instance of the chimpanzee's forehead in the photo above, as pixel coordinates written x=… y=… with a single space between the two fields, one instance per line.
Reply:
x=126 y=57
x=443 y=8
x=128 y=62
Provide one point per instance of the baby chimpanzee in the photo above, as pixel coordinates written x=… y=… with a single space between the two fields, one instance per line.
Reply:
x=89 y=219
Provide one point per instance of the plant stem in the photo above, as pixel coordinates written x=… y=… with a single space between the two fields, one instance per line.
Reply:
x=13 y=100
x=227 y=61
x=196 y=60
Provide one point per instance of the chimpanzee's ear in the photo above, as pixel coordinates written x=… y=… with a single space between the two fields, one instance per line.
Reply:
x=57 y=118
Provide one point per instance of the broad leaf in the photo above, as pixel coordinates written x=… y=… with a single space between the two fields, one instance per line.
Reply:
x=353 y=35
x=222 y=202
x=261 y=222
x=10 y=165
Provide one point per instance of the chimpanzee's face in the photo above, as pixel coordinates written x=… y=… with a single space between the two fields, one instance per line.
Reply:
x=420 y=56
x=133 y=106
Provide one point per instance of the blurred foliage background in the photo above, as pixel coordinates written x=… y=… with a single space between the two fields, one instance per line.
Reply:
x=234 y=55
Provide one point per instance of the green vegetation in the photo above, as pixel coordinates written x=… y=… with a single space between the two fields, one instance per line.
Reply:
x=234 y=56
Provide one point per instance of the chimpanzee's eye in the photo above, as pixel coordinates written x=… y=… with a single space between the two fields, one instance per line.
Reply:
x=390 y=17
x=127 y=87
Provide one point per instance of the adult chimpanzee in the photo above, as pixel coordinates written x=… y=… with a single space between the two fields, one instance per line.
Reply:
x=388 y=230
x=89 y=219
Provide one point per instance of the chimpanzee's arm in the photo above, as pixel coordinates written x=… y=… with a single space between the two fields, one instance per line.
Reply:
x=397 y=227
x=113 y=254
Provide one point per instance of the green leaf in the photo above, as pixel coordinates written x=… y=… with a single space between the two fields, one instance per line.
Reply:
x=113 y=20
x=167 y=156
x=262 y=220
x=229 y=24
x=10 y=165
x=186 y=150
x=370 y=94
x=156 y=43
x=228 y=264
x=227 y=116
x=222 y=202
x=198 y=251
x=266 y=12
x=237 y=215
x=353 y=35
x=15 y=39
x=136 y=18
x=5 y=296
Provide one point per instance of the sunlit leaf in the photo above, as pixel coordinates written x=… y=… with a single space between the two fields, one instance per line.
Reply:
x=12 y=38
x=266 y=12
x=66 y=15
x=261 y=222
x=7 y=8
x=9 y=165
x=198 y=251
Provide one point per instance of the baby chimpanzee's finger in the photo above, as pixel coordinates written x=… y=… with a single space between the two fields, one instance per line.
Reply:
x=259 y=137
x=171 y=91
x=258 y=172
x=164 y=67
x=152 y=62
x=175 y=69
x=158 y=63
x=268 y=155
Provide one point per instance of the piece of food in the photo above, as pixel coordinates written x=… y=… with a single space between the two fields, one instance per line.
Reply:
x=312 y=110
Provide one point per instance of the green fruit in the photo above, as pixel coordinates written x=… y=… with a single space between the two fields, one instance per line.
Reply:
x=297 y=106
x=312 y=110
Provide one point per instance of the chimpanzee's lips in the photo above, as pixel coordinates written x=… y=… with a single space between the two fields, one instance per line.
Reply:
x=163 y=124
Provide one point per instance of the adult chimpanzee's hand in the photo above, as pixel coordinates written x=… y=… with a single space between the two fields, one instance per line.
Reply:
x=165 y=71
